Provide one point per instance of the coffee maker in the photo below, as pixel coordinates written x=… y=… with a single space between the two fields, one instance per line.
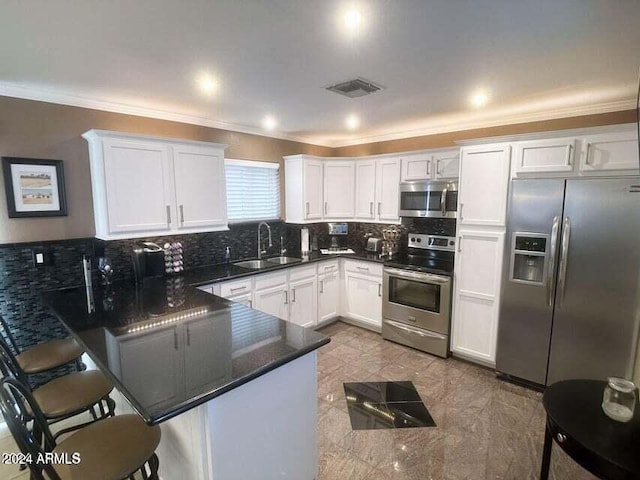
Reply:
x=148 y=261
x=338 y=233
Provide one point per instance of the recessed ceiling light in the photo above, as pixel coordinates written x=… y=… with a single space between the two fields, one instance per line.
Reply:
x=269 y=122
x=479 y=99
x=208 y=84
x=352 y=122
x=352 y=19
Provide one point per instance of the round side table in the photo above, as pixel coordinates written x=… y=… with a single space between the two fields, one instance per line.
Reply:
x=575 y=420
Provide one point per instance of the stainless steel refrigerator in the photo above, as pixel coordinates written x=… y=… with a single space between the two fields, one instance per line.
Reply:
x=570 y=304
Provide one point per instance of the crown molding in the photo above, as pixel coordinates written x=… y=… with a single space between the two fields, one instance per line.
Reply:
x=453 y=125
x=49 y=96
x=461 y=125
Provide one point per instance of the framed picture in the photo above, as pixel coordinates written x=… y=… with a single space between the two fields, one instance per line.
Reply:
x=34 y=188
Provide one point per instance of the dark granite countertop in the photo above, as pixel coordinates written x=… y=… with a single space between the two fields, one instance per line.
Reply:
x=169 y=347
x=220 y=273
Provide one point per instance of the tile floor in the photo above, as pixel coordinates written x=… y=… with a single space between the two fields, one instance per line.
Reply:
x=485 y=428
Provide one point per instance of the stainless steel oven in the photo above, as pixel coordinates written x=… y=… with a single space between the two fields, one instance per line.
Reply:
x=416 y=308
x=431 y=199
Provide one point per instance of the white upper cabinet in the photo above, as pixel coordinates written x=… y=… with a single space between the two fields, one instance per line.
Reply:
x=544 y=156
x=303 y=189
x=430 y=165
x=146 y=186
x=201 y=201
x=134 y=189
x=612 y=152
x=339 y=186
x=366 y=190
x=417 y=166
x=387 y=189
x=484 y=182
x=447 y=164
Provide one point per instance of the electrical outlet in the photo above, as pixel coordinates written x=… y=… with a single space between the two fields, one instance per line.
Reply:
x=41 y=257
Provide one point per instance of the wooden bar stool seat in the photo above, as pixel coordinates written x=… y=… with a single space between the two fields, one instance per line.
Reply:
x=111 y=449
x=49 y=355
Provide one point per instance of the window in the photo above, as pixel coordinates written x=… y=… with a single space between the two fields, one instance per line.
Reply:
x=253 y=190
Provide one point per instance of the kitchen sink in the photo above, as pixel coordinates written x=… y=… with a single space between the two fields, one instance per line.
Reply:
x=252 y=264
x=283 y=260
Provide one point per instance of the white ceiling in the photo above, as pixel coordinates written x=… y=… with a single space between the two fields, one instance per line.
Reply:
x=538 y=59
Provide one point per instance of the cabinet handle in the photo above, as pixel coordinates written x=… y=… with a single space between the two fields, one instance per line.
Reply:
x=379 y=207
x=237 y=288
x=366 y=269
x=461 y=205
x=371 y=208
x=325 y=208
x=188 y=336
x=175 y=338
x=428 y=167
x=307 y=207
x=321 y=286
x=293 y=295
x=168 y=215
x=586 y=159
x=250 y=303
x=286 y=297
x=379 y=289
x=569 y=159
x=182 y=214
x=460 y=243
x=438 y=167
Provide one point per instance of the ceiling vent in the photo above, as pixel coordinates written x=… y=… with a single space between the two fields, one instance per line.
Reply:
x=355 y=88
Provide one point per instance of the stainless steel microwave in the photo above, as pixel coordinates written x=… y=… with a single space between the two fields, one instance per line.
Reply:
x=432 y=199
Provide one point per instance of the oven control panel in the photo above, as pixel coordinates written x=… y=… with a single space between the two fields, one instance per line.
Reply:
x=431 y=242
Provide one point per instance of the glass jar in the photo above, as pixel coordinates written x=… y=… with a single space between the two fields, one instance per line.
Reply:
x=619 y=399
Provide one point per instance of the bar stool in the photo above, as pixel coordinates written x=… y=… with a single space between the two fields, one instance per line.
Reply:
x=44 y=356
x=112 y=449
x=66 y=396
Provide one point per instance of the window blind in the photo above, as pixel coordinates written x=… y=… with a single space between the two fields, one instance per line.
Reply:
x=253 y=190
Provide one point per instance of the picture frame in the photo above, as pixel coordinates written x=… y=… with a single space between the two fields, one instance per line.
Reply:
x=34 y=187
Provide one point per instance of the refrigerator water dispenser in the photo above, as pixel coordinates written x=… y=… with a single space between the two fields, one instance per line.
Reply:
x=529 y=258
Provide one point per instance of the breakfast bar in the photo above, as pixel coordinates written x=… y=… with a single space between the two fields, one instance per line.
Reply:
x=233 y=389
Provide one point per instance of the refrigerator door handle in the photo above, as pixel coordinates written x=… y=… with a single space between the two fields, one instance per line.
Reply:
x=562 y=274
x=551 y=284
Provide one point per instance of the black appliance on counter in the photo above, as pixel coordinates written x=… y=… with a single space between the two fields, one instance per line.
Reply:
x=148 y=261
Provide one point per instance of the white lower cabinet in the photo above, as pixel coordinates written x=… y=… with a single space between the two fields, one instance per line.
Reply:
x=362 y=300
x=304 y=302
x=328 y=296
x=273 y=300
x=476 y=299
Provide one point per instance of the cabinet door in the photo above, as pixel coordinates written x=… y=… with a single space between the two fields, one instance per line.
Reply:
x=328 y=296
x=387 y=189
x=151 y=378
x=207 y=354
x=363 y=298
x=274 y=301
x=416 y=167
x=484 y=183
x=365 y=190
x=200 y=187
x=610 y=152
x=304 y=302
x=476 y=298
x=447 y=164
x=312 y=178
x=139 y=186
x=544 y=156
x=339 y=185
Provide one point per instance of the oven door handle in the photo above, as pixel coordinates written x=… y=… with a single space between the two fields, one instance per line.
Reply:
x=443 y=201
x=417 y=331
x=420 y=277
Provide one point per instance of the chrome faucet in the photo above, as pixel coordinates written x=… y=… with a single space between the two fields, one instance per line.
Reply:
x=260 y=251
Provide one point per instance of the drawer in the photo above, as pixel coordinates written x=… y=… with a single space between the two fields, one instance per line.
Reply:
x=298 y=273
x=366 y=268
x=270 y=280
x=328 y=267
x=235 y=287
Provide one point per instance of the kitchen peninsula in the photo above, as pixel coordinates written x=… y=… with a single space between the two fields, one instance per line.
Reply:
x=234 y=389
